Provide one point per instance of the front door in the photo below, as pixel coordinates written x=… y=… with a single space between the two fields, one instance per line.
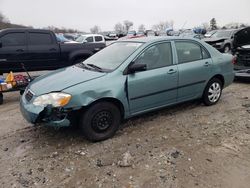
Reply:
x=156 y=86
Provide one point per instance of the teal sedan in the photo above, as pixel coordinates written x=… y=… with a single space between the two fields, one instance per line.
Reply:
x=126 y=79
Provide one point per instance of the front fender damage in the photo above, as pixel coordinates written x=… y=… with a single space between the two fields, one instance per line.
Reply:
x=55 y=117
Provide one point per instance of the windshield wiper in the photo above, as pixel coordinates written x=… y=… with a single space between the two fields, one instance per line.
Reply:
x=82 y=65
x=96 y=67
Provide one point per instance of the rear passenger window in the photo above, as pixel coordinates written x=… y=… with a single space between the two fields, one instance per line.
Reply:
x=40 y=39
x=98 y=38
x=189 y=51
x=13 y=39
x=89 y=39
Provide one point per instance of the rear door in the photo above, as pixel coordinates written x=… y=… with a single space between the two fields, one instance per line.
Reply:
x=44 y=51
x=157 y=86
x=13 y=51
x=195 y=68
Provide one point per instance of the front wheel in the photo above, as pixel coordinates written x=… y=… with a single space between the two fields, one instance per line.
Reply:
x=212 y=92
x=100 y=121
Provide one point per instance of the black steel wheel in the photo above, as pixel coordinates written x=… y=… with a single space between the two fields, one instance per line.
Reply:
x=100 y=121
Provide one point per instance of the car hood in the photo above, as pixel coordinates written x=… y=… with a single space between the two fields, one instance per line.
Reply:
x=242 y=37
x=214 y=39
x=62 y=79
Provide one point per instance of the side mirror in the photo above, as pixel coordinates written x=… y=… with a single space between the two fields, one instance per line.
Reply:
x=137 y=67
x=84 y=41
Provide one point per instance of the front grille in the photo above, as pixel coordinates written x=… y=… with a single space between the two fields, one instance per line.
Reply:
x=29 y=95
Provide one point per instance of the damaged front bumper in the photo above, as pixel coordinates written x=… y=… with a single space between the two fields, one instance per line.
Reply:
x=48 y=116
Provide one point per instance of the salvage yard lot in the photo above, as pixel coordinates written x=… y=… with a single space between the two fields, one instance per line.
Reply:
x=188 y=145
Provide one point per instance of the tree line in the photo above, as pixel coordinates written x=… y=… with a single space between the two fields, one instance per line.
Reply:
x=121 y=28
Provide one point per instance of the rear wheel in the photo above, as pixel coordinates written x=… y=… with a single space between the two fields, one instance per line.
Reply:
x=100 y=121
x=212 y=92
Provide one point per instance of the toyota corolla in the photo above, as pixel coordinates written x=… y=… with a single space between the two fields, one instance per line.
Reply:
x=126 y=79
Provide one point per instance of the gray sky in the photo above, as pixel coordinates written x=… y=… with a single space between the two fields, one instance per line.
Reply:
x=84 y=14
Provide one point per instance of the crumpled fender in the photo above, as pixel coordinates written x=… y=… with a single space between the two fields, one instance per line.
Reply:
x=89 y=92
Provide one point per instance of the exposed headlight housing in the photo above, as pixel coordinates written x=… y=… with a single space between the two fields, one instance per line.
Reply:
x=54 y=99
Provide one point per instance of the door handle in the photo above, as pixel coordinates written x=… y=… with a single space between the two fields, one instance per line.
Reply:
x=172 y=71
x=20 y=50
x=206 y=64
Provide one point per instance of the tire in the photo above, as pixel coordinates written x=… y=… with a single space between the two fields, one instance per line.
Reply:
x=21 y=92
x=212 y=92
x=100 y=121
x=227 y=48
x=1 y=98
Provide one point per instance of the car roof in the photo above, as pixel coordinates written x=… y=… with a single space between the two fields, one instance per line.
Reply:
x=24 y=29
x=91 y=35
x=158 y=39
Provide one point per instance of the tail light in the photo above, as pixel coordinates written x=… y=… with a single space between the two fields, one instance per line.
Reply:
x=234 y=60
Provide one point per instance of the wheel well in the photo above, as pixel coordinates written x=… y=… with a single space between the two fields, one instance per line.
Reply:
x=227 y=44
x=221 y=78
x=114 y=101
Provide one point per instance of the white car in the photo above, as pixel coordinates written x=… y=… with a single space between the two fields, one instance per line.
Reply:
x=90 y=38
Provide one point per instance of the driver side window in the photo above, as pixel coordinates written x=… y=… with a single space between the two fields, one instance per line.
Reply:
x=156 y=56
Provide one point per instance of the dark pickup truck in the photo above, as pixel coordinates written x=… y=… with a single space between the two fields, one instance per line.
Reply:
x=39 y=50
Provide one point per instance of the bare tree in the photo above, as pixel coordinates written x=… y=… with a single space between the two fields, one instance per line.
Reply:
x=119 y=28
x=96 y=29
x=163 y=26
x=128 y=24
x=234 y=25
x=141 y=28
x=3 y=19
x=205 y=25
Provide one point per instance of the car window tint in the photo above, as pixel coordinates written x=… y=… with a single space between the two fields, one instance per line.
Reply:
x=89 y=39
x=40 y=39
x=188 y=51
x=159 y=55
x=98 y=38
x=13 y=39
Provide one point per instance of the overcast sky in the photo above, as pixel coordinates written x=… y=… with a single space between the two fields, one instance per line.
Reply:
x=84 y=14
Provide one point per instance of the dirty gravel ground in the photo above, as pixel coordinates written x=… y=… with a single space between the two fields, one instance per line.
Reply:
x=188 y=145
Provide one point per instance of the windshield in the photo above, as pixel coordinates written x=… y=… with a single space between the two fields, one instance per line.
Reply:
x=220 y=34
x=81 y=39
x=112 y=56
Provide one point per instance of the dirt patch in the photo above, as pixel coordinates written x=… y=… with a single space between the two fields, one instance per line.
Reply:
x=188 y=145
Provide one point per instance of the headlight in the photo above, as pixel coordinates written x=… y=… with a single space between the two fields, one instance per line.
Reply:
x=54 y=99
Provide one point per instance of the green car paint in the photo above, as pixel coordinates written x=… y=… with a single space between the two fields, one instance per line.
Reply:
x=134 y=93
